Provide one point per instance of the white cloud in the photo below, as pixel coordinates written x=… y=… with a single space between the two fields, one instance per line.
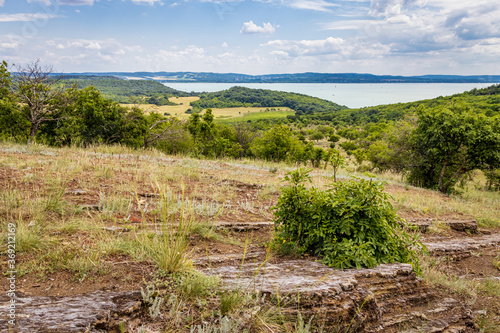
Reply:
x=9 y=45
x=25 y=17
x=93 y=45
x=147 y=2
x=413 y=27
x=76 y=2
x=393 y=7
x=316 y=5
x=280 y=54
x=346 y=24
x=2 y=3
x=251 y=28
x=45 y=2
x=331 y=47
x=224 y=44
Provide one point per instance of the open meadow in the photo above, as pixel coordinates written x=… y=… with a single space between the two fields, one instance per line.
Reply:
x=220 y=114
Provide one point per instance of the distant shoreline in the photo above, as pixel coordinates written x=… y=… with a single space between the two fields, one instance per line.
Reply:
x=193 y=77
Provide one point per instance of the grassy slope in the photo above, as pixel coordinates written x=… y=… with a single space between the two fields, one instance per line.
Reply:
x=43 y=190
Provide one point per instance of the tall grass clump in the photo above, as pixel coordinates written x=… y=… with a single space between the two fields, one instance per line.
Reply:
x=168 y=247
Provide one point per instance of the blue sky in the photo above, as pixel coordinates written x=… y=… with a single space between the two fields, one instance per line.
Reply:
x=397 y=37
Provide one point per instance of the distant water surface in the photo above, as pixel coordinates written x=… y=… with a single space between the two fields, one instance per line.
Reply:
x=353 y=95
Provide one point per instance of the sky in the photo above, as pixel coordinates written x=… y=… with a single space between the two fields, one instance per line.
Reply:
x=383 y=37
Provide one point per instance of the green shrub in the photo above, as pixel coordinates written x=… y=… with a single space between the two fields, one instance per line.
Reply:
x=352 y=224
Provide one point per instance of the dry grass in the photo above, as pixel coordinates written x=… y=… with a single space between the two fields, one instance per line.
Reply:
x=45 y=192
x=174 y=110
x=179 y=110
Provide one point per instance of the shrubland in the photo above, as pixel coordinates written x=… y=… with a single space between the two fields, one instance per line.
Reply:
x=433 y=143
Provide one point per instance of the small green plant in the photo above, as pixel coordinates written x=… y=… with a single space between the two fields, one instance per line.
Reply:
x=301 y=326
x=196 y=285
x=352 y=224
x=230 y=300
x=496 y=261
x=169 y=249
x=225 y=325
x=438 y=227
x=152 y=300
x=54 y=202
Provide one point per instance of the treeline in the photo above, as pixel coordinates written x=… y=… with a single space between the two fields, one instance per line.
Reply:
x=126 y=91
x=37 y=106
x=246 y=97
x=436 y=144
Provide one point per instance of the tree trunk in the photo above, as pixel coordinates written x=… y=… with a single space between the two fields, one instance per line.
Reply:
x=441 y=176
x=33 y=130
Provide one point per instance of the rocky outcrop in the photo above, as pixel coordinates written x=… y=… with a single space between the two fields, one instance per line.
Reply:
x=424 y=225
x=92 y=312
x=381 y=299
x=459 y=248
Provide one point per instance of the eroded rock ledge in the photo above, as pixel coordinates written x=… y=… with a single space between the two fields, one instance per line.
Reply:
x=383 y=299
x=90 y=312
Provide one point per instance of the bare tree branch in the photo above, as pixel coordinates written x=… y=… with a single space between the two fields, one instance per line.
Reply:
x=40 y=94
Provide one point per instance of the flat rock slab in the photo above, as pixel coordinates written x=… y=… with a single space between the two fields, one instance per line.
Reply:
x=239 y=184
x=243 y=226
x=379 y=299
x=227 y=259
x=69 y=313
x=462 y=247
x=457 y=225
x=301 y=276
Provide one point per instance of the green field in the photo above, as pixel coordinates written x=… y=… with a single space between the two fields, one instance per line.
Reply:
x=224 y=115
x=251 y=115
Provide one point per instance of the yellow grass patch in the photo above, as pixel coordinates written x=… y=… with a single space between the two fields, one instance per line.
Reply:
x=174 y=110
x=179 y=110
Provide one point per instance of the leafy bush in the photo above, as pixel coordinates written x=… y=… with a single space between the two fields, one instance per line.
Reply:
x=352 y=224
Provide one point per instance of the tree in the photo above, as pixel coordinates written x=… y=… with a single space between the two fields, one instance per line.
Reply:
x=5 y=80
x=316 y=136
x=392 y=151
x=277 y=144
x=39 y=94
x=99 y=119
x=450 y=142
x=203 y=130
x=335 y=158
x=12 y=123
x=244 y=135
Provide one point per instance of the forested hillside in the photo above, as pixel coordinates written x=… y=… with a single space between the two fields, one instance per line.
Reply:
x=127 y=91
x=240 y=96
x=485 y=101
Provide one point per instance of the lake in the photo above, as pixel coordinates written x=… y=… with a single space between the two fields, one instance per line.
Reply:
x=353 y=95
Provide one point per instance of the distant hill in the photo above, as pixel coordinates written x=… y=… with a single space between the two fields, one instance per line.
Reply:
x=246 y=97
x=166 y=77
x=126 y=91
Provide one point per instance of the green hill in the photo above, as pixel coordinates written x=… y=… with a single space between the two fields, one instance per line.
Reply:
x=127 y=91
x=246 y=97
